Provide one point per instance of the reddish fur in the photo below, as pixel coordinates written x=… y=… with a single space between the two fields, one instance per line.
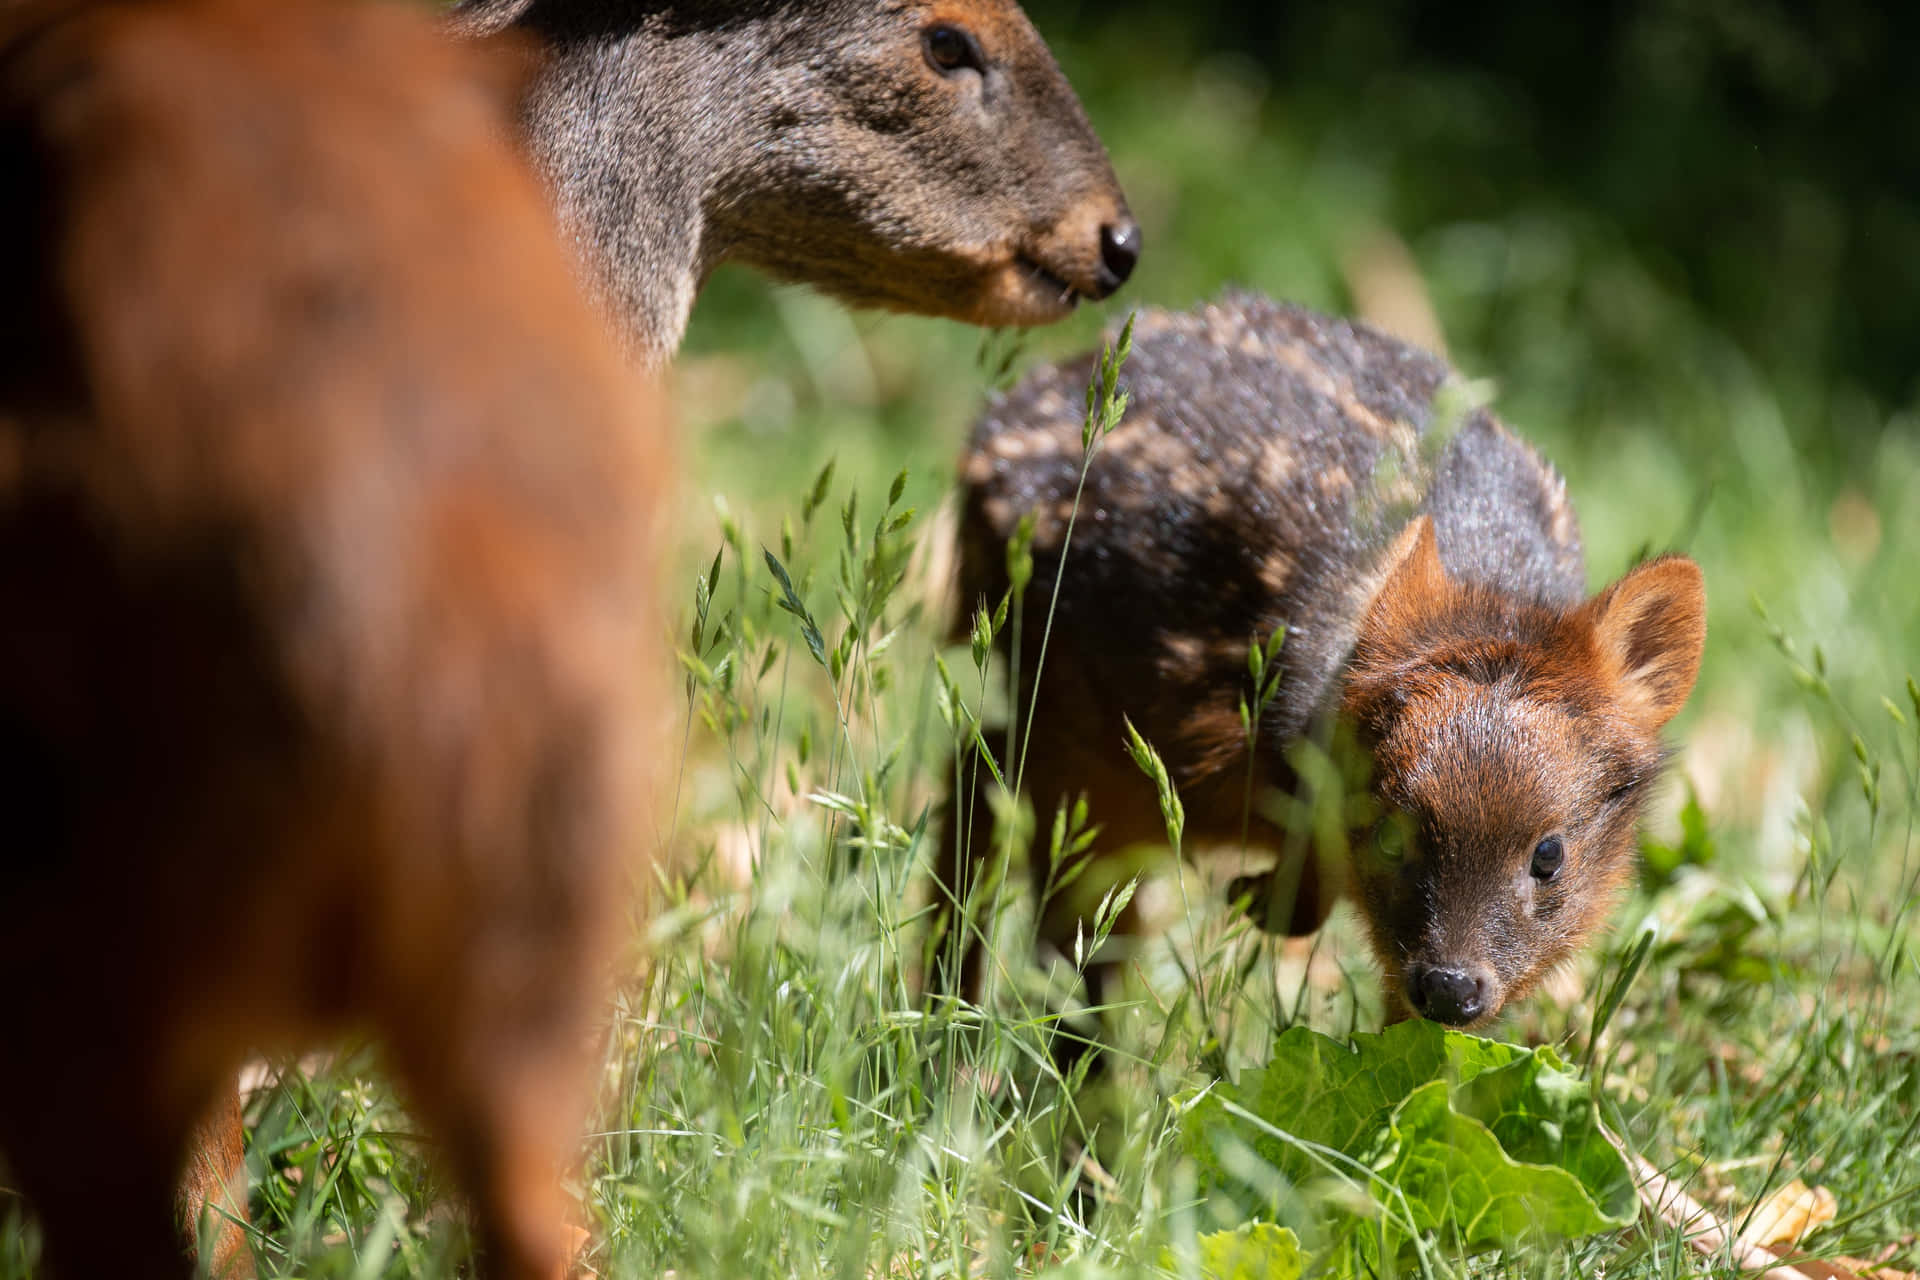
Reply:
x=212 y=1194
x=1490 y=710
x=1414 y=673
x=325 y=508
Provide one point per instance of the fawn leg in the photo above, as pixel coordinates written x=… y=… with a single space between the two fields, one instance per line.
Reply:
x=1291 y=899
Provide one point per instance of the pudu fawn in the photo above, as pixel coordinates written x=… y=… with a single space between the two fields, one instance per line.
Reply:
x=915 y=156
x=327 y=519
x=1278 y=469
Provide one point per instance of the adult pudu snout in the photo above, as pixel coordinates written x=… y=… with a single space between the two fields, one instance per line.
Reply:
x=1512 y=746
x=947 y=167
x=326 y=517
x=926 y=156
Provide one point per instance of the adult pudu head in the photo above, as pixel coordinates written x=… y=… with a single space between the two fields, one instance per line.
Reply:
x=1513 y=744
x=915 y=155
x=941 y=163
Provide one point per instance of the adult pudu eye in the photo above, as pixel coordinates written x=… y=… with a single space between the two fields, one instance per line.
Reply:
x=1548 y=857
x=950 y=48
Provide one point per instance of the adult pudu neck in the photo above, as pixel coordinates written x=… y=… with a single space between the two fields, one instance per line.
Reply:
x=636 y=120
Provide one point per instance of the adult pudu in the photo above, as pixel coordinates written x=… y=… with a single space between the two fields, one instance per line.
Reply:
x=326 y=515
x=1280 y=471
x=924 y=155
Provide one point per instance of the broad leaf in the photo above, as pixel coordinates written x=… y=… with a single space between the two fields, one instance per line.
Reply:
x=1414 y=1137
x=1257 y=1251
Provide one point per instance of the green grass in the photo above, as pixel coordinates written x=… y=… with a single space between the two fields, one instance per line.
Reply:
x=778 y=1100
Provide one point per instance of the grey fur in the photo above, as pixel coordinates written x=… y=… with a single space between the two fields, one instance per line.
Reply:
x=813 y=140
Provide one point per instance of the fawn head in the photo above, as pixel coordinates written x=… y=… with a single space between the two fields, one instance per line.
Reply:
x=1513 y=746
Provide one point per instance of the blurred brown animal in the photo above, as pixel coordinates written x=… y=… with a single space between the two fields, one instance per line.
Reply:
x=1280 y=469
x=917 y=155
x=326 y=518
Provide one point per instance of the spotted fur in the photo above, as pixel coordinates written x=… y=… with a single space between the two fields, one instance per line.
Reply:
x=1278 y=469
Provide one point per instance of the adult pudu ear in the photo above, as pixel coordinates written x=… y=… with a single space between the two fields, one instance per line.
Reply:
x=510 y=58
x=485 y=17
x=1650 y=628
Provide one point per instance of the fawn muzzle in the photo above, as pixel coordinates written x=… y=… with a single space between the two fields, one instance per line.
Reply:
x=1455 y=996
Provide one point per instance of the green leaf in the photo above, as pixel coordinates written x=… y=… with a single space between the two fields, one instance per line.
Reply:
x=1322 y=1094
x=1661 y=862
x=1451 y=1138
x=1257 y=1251
x=1086 y=1269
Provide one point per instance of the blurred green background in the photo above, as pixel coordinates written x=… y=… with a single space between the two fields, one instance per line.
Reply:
x=1681 y=238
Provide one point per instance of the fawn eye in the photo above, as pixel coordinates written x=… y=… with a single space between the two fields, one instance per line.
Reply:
x=1547 y=857
x=1393 y=838
x=950 y=49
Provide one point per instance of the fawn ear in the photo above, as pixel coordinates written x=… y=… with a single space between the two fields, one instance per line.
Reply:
x=1414 y=573
x=1412 y=584
x=1650 y=627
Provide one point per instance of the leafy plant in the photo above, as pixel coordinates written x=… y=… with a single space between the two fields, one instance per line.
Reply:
x=1412 y=1139
x=1257 y=1251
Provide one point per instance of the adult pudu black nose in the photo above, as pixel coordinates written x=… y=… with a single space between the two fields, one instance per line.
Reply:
x=1119 y=252
x=1455 y=997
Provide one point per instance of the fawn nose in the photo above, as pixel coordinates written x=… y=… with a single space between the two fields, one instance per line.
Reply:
x=1455 y=997
x=1119 y=251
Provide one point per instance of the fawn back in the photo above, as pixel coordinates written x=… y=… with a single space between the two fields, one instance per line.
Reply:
x=325 y=516
x=924 y=156
x=1280 y=470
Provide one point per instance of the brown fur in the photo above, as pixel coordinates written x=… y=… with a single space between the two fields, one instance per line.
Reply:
x=1495 y=723
x=1437 y=644
x=818 y=141
x=325 y=511
x=212 y=1194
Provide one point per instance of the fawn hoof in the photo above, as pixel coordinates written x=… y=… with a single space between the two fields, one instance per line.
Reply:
x=1119 y=253
x=1455 y=997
